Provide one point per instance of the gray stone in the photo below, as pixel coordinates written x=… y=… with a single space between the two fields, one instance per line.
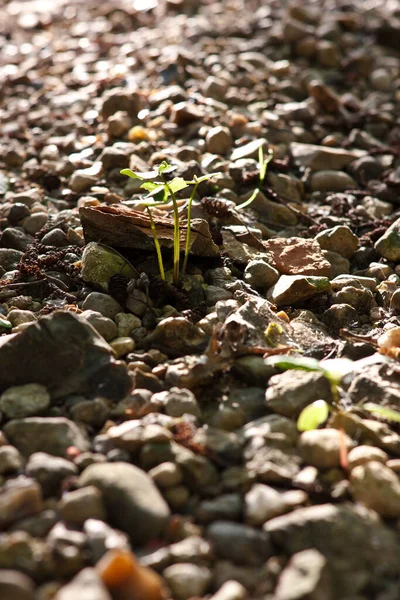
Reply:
x=53 y=435
x=24 y=401
x=360 y=550
x=219 y=140
x=293 y=288
x=9 y=258
x=17 y=316
x=263 y=502
x=306 y=577
x=65 y=354
x=331 y=181
x=132 y=501
x=102 y=303
x=127 y=323
x=361 y=455
x=339 y=239
x=289 y=392
x=378 y=487
x=388 y=245
x=240 y=543
x=323 y=157
x=49 y=471
x=103 y=325
x=35 y=222
x=82 y=504
x=224 y=507
x=260 y=275
x=100 y=263
x=230 y=590
x=178 y=401
x=166 y=475
x=118 y=99
x=186 y=580
x=87 y=585
x=321 y=447
x=10 y=460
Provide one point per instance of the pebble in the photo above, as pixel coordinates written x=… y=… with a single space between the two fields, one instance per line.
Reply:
x=378 y=487
x=296 y=256
x=262 y=503
x=24 y=400
x=362 y=455
x=381 y=80
x=306 y=576
x=166 y=475
x=240 y=543
x=87 y=585
x=331 y=181
x=260 y=275
x=11 y=460
x=340 y=315
x=338 y=239
x=122 y=346
x=102 y=303
x=103 y=325
x=55 y=237
x=289 y=392
x=178 y=402
x=100 y=263
x=219 y=140
x=322 y=157
x=79 y=505
x=15 y=238
x=10 y=258
x=20 y=497
x=186 y=580
x=53 y=435
x=118 y=124
x=17 y=316
x=230 y=590
x=126 y=324
x=224 y=507
x=14 y=585
x=132 y=501
x=49 y=471
x=321 y=447
x=120 y=99
x=34 y=223
x=293 y=288
x=91 y=412
x=388 y=245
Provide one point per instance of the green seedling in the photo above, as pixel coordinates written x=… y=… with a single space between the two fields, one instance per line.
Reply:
x=262 y=165
x=382 y=411
x=161 y=192
x=313 y=415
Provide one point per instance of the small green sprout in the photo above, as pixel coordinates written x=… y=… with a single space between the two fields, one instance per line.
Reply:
x=313 y=415
x=382 y=411
x=167 y=190
x=262 y=165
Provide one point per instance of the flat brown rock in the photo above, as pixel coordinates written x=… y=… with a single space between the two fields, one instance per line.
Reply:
x=297 y=256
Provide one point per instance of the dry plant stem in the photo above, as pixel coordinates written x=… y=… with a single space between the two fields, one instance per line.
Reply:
x=187 y=245
x=176 y=231
x=157 y=245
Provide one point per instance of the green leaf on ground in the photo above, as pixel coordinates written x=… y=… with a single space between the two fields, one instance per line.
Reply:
x=313 y=415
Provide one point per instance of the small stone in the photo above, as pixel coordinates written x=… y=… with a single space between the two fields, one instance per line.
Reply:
x=294 y=288
x=55 y=237
x=240 y=543
x=388 y=245
x=102 y=303
x=378 y=487
x=82 y=504
x=360 y=299
x=49 y=471
x=331 y=181
x=362 y=455
x=122 y=346
x=137 y=303
x=103 y=325
x=24 y=401
x=177 y=496
x=178 y=402
x=260 y=274
x=92 y=412
x=230 y=590
x=99 y=264
x=14 y=585
x=82 y=180
x=306 y=576
x=132 y=501
x=219 y=140
x=113 y=157
x=297 y=256
x=17 y=213
x=10 y=258
x=262 y=503
x=17 y=316
x=215 y=88
x=87 y=585
x=339 y=239
x=53 y=435
x=166 y=475
x=120 y=99
x=381 y=80
x=186 y=580
x=118 y=124
x=15 y=238
x=127 y=323
x=321 y=447
x=10 y=460
x=34 y=223
x=322 y=157
x=328 y=54
x=224 y=507
x=340 y=315
x=290 y=392
x=249 y=150
x=19 y=498
x=184 y=113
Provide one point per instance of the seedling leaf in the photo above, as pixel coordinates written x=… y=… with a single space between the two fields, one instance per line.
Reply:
x=132 y=174
x=313 y=415
x=382 y=411
x=294 y=362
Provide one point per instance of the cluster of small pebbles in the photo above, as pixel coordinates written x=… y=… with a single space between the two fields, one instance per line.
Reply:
x=148 y=448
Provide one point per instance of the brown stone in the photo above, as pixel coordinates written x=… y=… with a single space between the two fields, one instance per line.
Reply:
x=297 y=256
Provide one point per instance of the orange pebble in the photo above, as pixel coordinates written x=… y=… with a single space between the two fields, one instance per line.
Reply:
x=282 y=315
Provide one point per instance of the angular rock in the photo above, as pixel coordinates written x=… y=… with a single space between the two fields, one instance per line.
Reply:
x=388 y=245
x=323 y=157
x=339 y=239
x=295 y=288
x=100 y=263
x=360 y=550
x=289 y=392
x=132 y=501
x=53 y=435
x=378 y=487
x=66 y=355
x=297 y=256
